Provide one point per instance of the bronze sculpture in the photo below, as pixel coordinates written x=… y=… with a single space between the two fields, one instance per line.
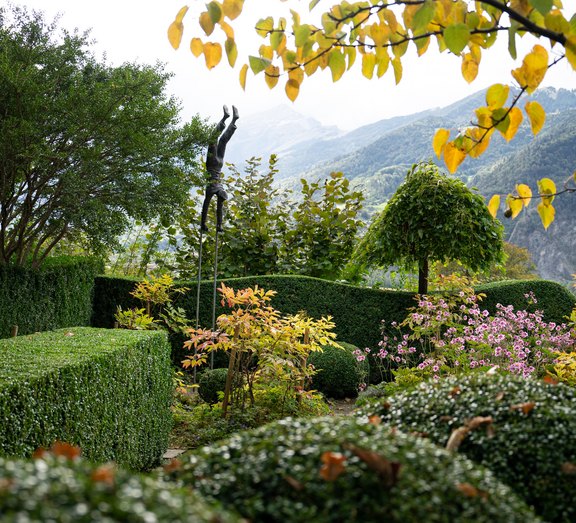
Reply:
x=214 y=164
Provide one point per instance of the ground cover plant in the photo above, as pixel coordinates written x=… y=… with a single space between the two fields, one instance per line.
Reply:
x=342 y=469
x=60 y=486
x=521 y=428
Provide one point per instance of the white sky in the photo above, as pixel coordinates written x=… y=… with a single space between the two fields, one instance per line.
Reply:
x=135 y=30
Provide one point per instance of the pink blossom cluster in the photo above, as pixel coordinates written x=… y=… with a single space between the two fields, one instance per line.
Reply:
x=454 y=335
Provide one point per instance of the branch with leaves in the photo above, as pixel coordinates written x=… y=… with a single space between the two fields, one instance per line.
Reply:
x=379 y=33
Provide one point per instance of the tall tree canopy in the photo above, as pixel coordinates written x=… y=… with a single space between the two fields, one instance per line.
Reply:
x=379 y=32
x=432 y=217
x=83 y=146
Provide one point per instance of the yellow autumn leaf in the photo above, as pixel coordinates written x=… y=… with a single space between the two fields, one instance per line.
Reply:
x=547 y=190
x=368 y=64
x=480 y=139
x=197 y=47
x=514 y=204
x=243 y=73
x=516 y=118
x=524 y=192
x=337 y=64
x=440 y=138
x=571 y=50
x=496 y=96
x=227 y=28
x=494 y=205
x=175 y=31
x=397 y=66
x=469 y=67
x=271 y=75
x=533 y=69
x=292 y=89
x=177 y=28
x=547 y=213
x=232 y=8
x=231 y=51
x=206 y=23
x=453 y=157
x=536 y=114
x=212 y=54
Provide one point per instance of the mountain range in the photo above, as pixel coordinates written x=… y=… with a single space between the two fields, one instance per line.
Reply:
x=376 y=158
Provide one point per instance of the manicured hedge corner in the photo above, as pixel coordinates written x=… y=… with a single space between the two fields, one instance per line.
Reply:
x=65 y=490
x=106 y=391
x=528 y=440
x=339 y=469
x=57 y=295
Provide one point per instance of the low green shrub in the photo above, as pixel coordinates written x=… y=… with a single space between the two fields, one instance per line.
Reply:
x=212 y=381
x=66 y=490
x=339 y=373
x=526 y=438
x=107 y=391
x=337 y=469
x=57 y=295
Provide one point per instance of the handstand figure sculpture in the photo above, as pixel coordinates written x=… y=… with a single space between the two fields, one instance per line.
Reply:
x=214 y=164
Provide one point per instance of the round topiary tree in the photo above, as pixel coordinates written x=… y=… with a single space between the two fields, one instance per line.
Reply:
x=522 y=429
x=212 y=381
x=54 y=488
x=432 y=217
x=339 y=373
x=337 y=469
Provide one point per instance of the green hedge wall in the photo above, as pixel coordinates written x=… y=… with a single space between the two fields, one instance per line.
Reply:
x=357 y=311
x=106 y=391
x=57 y=295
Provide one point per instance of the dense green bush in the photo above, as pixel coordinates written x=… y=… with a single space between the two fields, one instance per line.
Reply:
x=339 y=373
x=337 y=469
x=57 y=295
x=65 y=490
x=356 y=311
x=529 y=444
x=107 y=391
x=212 y=381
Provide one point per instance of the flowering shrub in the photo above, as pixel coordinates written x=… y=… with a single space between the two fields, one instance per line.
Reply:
x=451 y=334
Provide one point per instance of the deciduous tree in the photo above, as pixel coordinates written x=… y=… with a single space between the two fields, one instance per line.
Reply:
x=83 y=146
x=432 y=217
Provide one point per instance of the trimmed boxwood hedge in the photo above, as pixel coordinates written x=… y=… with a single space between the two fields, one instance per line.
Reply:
x=339 y=374
x=57 y=295
x=530 y=444
x=274 y=474
x=64 y=490
x=356 y=311
x=211 y=382
x=106 y=391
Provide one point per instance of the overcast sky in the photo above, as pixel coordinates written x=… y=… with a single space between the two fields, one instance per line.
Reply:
x=135 y=30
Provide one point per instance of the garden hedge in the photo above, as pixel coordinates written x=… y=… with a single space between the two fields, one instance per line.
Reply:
x=339 y=469
x=106 y=391
x=357 y=311
x=73 y=490
x=57 y=295
x=526 y=439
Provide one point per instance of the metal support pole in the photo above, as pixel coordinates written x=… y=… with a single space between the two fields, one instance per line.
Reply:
x=214 y=293
x=198 y=300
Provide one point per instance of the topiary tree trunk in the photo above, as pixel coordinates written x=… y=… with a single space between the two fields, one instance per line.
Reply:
x=423 y=276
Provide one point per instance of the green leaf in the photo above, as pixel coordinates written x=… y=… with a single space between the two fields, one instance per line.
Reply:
x=512 y=42
x=301 y=35
x=543 y=6
x=456 y=37
x=258 y=64
x=337 y=64
x=313 y=4
x=423 y=16
x=214 y=11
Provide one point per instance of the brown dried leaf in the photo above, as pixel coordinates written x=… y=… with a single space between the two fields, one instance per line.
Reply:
x=551 y=380
x=477 y=421
x=374 y=419
x=457 y=437
x=60 y=448
x=526 y=408
x=500 y=396
x=333 y=465
x=172 y=466
x=387 y=470
x=568 y=468
x=294 y=483
x=455 y=391
x=40 y=453
x=104 y=474
x=446 y=419
x=470 y=491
